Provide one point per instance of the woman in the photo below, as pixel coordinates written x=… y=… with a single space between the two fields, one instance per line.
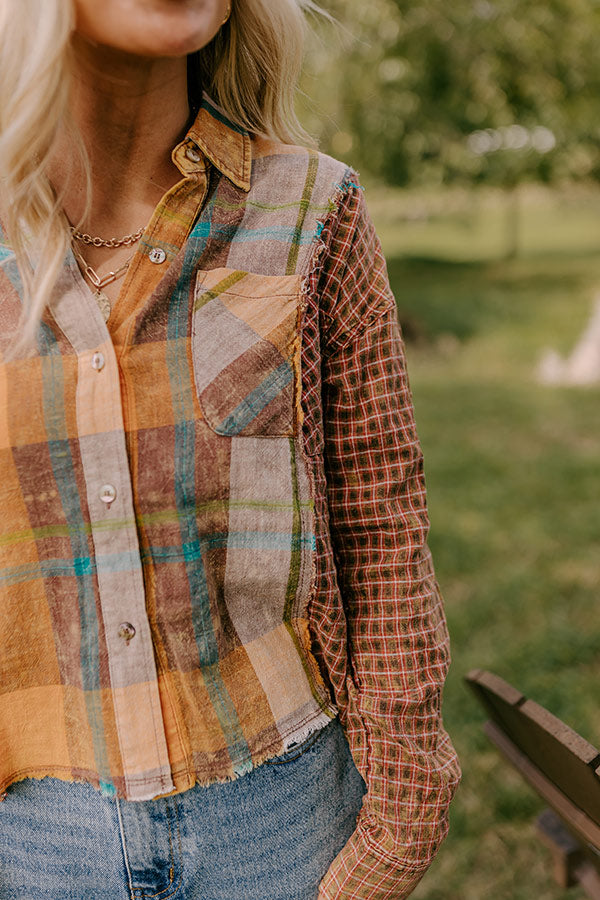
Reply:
x=219 y=626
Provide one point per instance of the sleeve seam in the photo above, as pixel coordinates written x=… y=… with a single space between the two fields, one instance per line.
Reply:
x=342 y=190
x=327 y=228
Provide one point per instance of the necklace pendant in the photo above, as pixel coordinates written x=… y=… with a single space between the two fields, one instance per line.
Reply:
x=104 y=304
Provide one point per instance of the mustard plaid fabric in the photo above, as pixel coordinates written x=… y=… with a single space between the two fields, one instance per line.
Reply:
x=212 y=527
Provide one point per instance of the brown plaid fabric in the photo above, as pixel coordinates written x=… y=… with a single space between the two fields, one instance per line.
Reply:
x=213 y=523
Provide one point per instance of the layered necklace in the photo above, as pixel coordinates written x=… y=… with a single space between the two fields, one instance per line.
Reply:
x=100 y=282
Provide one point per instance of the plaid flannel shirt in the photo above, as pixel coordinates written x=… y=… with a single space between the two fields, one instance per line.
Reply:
x=213 y=523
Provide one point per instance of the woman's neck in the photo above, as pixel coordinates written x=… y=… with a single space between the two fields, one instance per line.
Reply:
x=130 y=112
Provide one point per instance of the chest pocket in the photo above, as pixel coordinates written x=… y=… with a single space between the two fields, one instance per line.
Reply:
x=246 y=352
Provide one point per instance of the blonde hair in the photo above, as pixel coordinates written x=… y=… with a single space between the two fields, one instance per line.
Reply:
x=252 y=66
x=250 y=69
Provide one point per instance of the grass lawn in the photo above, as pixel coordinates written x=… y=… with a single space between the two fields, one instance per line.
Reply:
x=512 y=472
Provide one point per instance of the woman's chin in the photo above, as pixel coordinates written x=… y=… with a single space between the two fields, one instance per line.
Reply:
x=160 y=30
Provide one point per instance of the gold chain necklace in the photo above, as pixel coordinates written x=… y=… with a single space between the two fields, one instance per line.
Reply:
x=101 y=282
x=110 y=242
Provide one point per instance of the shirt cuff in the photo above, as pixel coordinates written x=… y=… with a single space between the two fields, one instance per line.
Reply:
x=360 y=873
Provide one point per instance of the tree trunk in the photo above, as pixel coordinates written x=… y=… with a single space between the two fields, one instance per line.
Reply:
x=513 y=222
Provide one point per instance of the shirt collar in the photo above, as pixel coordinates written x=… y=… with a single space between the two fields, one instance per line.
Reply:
x=215 y=137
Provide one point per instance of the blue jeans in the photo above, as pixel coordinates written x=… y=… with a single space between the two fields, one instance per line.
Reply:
x=268 y=835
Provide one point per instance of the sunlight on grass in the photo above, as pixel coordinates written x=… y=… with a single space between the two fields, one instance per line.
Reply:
x=475 y=225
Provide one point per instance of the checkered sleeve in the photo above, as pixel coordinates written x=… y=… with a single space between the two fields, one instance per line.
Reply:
x=397 y=639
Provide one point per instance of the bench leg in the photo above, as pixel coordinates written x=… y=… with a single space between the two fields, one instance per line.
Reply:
x=589 y=879
x=570 y=865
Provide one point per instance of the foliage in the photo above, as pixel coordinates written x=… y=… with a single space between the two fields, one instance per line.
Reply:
x=426 y=91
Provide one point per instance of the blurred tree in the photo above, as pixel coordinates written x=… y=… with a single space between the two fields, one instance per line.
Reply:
x=427 y=91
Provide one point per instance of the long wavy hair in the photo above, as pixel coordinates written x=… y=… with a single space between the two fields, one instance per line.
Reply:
x=250 y=68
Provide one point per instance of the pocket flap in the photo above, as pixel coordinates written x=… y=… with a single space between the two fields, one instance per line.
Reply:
x=246 y=351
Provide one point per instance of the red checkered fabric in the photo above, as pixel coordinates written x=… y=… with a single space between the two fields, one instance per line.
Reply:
x=385 y=647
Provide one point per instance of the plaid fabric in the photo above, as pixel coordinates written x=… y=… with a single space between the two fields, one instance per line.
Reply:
x=213 y=524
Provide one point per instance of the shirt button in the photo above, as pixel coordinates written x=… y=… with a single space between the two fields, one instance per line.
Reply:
x=157 y=256
x=192 y=154
x=108 y=493
x=126 y=631
x=98 y=361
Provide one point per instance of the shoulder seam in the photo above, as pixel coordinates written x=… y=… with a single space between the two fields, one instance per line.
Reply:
x=348 y=184
x=341 y=190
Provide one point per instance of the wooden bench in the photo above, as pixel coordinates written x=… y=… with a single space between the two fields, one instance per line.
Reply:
x=563 y=769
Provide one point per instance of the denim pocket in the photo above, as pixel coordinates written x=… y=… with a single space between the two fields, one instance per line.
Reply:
x=246 y=352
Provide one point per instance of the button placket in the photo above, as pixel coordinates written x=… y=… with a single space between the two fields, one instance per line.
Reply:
x=134 y=691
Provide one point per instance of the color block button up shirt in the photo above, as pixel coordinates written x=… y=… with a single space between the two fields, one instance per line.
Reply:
x=212 y=512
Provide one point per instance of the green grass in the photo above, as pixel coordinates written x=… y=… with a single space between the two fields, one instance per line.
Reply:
x=512 y=473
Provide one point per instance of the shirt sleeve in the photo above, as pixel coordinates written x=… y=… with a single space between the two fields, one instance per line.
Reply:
x=398 y=650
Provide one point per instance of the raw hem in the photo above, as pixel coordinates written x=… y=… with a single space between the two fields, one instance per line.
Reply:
x=188 y=779
x=300 y=733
